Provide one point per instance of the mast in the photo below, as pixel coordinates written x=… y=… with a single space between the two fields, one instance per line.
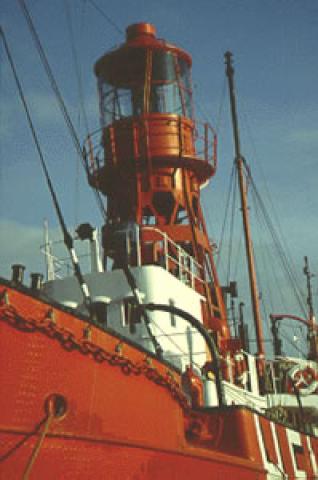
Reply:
x=240 y=163
x=49 y=262
x=309 y=275
x=312 y=335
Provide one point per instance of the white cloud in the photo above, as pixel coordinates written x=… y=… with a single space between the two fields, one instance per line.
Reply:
x=20 y=244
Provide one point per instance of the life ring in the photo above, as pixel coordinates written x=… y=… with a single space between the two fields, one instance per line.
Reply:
x=305 y=380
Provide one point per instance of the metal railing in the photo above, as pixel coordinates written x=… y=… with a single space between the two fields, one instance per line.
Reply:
x=93 y=151
x=59 y=266
x=174 y=259
x=204 y=137
x=205 y=140
x=169 y=255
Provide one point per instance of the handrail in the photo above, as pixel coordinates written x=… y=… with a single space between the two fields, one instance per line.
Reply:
x=186 y=265
x=206 y=142
x=61 y=264
x=280 y=316
x=174 y=259
x=204 y=137
x=91 y=146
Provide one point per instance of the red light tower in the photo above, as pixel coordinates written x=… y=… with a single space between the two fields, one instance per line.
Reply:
x=154 y=164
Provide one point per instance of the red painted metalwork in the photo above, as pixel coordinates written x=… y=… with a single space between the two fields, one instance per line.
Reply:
x=192 y=384
x=155 y=155
x=82 y=402
x=108 y=406
x=281 y=316
x=115 y=409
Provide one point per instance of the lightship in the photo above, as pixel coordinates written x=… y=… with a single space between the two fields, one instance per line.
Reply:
x=131 y=371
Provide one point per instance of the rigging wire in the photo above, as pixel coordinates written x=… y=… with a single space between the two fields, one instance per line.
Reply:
x=262 y=261
x=106 y=17
x=174 y=343
x=261 y=293
x=286 y=262
x=82 y=110
x=269 y=199
x=201 y=106
x=59 y=98
x=76 y=66
x=262 y=213
x=232 y=223
x=136 y=294
x=282 y=255
x=269 y=273
x=206 y=117
x=221 y=106
x=292 y=344
x=239 y=256
x=302 y=333
x=222 y=234
x=263 y=219
x=68 y=240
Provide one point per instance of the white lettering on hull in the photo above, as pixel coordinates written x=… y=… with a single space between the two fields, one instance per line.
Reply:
x=312 y=457
x=294 y=442
x=277 y=449
x=276 y=470
x=273 y=471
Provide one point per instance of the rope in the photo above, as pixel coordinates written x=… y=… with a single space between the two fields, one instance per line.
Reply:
x=168 y=337
x=38 y=446
x=134 y=288
x=221 y=105
x=21 y=442
x=82 y=110
x=292 y=344
x=232 y=223
x=76 y=66
x=280 y=250
x=107 y=17
x=68 y=240
x=239 y=256
x=281 y=245
x=58 y=96
x=228 y=199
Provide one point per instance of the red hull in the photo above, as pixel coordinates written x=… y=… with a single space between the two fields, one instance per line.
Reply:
x=126 y=416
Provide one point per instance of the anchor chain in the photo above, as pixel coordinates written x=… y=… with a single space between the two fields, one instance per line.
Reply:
x=69 y=342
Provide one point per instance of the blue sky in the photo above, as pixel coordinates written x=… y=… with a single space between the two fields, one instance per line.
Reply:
x=275 y=53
